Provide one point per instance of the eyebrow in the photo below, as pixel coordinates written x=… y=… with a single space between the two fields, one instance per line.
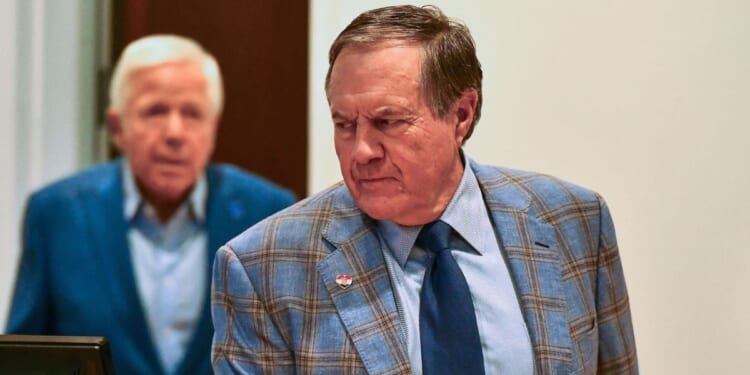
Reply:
x=391 y=111
x=339 y=115
x=379 y=112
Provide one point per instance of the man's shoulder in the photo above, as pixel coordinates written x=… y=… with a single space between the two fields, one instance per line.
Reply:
x=521 y=188
x=94 y=178
x=292 y=226
x=229 y=178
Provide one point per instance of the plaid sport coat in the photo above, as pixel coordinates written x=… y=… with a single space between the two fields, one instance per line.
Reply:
x=277 y=308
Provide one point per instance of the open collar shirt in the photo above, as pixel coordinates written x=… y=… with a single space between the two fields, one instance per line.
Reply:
x=170 y=262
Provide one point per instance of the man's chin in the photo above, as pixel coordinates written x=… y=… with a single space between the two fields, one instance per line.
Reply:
x=398 y=208
x=377 y=207
x=170 y=191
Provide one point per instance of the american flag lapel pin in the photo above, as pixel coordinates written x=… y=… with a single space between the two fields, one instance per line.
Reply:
x=343 y=280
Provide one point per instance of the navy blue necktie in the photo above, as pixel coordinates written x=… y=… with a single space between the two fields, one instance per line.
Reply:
x=447 y=324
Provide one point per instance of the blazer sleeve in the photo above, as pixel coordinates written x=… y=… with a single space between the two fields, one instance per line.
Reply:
x=29 y=313
x=246 y=340
x=617 y=354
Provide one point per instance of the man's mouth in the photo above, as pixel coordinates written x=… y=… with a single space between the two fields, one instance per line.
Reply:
x=170 y=160
x=375 y=182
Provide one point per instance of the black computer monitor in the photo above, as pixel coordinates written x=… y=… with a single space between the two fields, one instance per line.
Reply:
x=54 y=355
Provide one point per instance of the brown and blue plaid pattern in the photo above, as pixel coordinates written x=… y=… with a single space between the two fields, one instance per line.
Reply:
x=277 y=308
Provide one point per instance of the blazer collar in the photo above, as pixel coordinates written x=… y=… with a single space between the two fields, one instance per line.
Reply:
x=531 y=251
x=108 y=231
x=367 y=307
x=225 y=216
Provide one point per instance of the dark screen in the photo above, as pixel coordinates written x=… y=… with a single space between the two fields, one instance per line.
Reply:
x=53 y=355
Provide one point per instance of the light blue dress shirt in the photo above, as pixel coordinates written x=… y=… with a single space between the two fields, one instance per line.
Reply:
x=506 y=345
x=169 y=262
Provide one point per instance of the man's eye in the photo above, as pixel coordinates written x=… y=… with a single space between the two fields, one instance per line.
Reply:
x=155 y=110
x=388 y=122
x=343 y=125
x=191 y=112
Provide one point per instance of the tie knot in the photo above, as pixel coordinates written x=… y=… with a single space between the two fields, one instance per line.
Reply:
x=435 y=236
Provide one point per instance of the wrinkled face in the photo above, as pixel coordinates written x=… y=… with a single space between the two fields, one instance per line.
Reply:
x=167 y=130
x=399 y=161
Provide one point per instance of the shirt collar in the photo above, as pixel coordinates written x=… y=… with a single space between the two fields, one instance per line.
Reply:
x=466 y=210
x=134 y=200
x=464 y=214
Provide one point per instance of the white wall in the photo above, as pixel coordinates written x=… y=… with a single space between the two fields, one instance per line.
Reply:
x=46 y=92
x=646 y=102
x=8 y=193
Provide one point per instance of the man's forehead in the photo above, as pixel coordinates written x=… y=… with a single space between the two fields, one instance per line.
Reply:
x=360 y=49
x=397 y=63
x=169 y=76
x=180 y=82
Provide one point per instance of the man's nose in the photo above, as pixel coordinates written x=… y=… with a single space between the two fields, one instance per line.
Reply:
x=175 y=128
x=368 y=145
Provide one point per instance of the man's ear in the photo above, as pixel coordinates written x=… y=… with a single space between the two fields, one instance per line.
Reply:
x=465 y=107
x=115 y=126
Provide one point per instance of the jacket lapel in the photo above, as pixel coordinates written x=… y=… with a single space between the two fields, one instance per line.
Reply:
x=225 y=217
x=108 y=231
x=367 y=307
x=529 y=246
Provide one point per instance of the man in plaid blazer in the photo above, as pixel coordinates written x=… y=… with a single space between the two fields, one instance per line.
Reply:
x=331 y=285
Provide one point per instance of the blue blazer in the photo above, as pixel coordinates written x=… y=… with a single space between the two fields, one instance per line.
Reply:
x=76 y=277
x=278 y=309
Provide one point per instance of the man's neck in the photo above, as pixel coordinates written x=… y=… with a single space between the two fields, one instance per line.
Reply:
x=164 y=209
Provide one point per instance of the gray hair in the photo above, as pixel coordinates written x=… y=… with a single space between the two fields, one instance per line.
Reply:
x=155 y=50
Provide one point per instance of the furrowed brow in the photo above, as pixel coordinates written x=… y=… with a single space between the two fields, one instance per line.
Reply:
x=340 y=116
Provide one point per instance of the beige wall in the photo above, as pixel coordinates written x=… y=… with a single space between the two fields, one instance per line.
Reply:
x=8 y=190
x=646 y=102
x=47 y=96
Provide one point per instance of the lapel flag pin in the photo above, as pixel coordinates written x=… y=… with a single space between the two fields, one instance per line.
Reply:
x=344 y=281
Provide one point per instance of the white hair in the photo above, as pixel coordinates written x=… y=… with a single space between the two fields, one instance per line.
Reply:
x=161 y=49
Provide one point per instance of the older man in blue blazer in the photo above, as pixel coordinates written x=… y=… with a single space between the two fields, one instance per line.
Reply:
x=124 y=249
x=423 y=261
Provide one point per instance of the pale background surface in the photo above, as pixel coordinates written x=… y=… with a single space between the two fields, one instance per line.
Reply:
x=46 y=108
x=646 y=102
